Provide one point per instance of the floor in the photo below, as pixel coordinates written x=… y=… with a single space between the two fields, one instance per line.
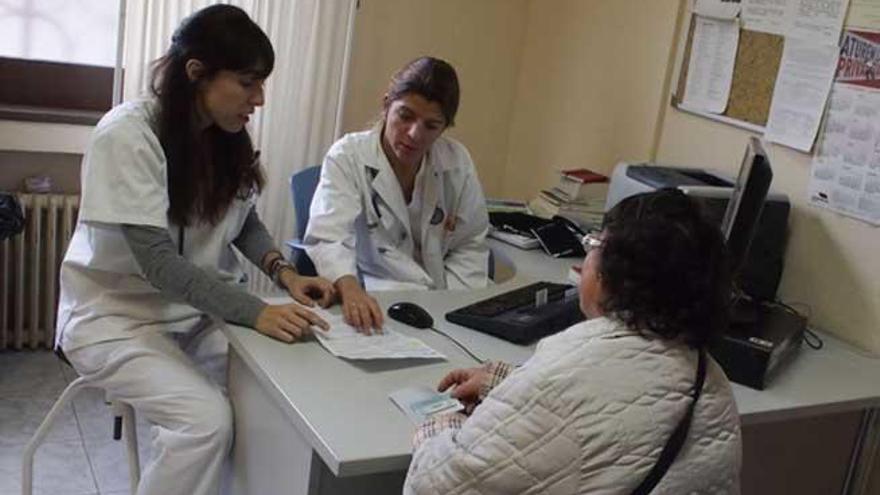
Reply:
x=79 y=455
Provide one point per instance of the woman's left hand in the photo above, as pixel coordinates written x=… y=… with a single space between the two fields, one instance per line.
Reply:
x=308 y=290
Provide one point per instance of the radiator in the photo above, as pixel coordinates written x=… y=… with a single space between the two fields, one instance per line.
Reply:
x=29 y=266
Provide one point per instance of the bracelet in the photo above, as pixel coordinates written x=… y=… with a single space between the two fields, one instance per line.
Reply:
x=277 y=266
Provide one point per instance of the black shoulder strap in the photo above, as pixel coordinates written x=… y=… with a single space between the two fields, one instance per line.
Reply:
x=676 y=441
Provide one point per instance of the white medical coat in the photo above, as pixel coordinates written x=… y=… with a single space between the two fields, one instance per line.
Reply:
x=104 y=294
x=359 y=221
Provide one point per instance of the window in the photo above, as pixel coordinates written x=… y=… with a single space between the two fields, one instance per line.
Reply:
x=56 y=59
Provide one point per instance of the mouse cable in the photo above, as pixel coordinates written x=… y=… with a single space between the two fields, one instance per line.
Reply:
x=460 y=346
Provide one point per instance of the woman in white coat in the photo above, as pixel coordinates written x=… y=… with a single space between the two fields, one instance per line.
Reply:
x=627 y=402
x=168 y=192
x=400 y=205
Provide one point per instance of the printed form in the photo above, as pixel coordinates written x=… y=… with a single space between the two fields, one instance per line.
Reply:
x=343 y=340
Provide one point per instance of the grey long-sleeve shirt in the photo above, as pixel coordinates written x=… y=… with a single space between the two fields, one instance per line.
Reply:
x=176 y=277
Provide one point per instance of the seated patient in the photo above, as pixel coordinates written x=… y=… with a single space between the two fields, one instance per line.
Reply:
x=400 y=203
x=594 y=407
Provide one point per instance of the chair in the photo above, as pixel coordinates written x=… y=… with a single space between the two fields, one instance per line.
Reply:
x=302 y=188
x=124 y=422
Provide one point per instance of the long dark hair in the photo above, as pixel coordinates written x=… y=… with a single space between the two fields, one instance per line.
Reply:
x=431 y=78
x=664 y=267
x=207 y=169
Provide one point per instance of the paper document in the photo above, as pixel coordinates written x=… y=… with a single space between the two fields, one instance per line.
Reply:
x=719 y=9
x=420 y=403
x=710 y=71
x=817 y=20
x=820 y=21
x=846 y=169
x=800 y=94
x=767 y=16
x=344 y=341
x=864 y=14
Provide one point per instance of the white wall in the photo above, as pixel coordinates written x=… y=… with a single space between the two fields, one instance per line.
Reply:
x=590 y=88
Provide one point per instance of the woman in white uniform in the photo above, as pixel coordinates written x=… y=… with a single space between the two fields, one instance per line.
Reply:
x=400 y=205
x=168 y=191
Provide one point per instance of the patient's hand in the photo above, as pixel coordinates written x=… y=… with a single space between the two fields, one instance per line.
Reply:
x=468 y=383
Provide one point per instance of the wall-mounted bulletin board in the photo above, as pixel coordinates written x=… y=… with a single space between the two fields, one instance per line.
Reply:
x=754 y=75
x=804 y=74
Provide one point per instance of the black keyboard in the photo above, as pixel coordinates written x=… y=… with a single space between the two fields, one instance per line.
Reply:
x=514 y=316
x=514 y=299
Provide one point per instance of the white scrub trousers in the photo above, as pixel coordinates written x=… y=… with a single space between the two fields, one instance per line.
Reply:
x=176 y=381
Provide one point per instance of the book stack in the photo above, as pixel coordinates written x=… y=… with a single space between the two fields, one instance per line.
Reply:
x=579 y=196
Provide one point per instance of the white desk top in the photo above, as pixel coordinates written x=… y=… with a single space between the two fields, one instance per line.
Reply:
x=343 y=410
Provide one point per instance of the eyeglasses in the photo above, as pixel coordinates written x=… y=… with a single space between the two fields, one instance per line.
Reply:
x=591 y=241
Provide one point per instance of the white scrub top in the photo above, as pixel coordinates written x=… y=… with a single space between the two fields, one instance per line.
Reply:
x=361 y=224
x=104 y=294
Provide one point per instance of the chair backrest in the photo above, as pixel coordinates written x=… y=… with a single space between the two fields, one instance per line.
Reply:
x=302 y=188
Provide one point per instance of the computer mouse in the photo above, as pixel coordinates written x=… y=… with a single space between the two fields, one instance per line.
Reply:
x=410 y=314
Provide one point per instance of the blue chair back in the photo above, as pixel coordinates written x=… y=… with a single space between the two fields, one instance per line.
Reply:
x=302 y=189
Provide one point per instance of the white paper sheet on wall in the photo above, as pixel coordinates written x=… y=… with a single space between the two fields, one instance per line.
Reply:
x=719 y=9
x=710 y=70
x=801 y=91
x=846 y=168
x=820 y=21
x=768 y=16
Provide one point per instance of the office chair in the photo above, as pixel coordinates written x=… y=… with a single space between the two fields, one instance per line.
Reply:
x=124 y=422
x=302 y=188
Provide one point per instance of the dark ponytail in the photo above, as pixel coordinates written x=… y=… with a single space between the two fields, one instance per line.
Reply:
x=207 y=169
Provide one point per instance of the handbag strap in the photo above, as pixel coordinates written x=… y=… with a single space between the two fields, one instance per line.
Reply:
x=676 y=441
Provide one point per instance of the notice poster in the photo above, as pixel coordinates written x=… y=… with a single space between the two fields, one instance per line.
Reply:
x=859 y=61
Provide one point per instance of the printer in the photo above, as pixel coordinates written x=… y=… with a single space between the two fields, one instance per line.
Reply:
x=755 y=347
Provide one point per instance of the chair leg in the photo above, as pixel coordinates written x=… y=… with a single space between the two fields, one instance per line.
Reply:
x=129 y=429
x=27 y=465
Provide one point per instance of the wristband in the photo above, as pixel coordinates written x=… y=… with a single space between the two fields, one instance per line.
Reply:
x=279 y=265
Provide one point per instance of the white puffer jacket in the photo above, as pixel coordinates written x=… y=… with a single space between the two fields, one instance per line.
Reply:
x=589 y=413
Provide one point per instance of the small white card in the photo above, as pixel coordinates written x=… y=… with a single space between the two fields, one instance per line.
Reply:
x=420 y=403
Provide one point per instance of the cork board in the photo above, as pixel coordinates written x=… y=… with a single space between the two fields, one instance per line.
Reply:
x=754 y=75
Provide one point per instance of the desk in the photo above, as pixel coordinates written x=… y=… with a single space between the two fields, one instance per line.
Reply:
x=309 y=423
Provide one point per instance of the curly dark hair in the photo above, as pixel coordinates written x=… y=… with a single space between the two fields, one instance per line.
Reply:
x=664 y=267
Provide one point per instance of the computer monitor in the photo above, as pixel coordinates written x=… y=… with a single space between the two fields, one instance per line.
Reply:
x=746 y=202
